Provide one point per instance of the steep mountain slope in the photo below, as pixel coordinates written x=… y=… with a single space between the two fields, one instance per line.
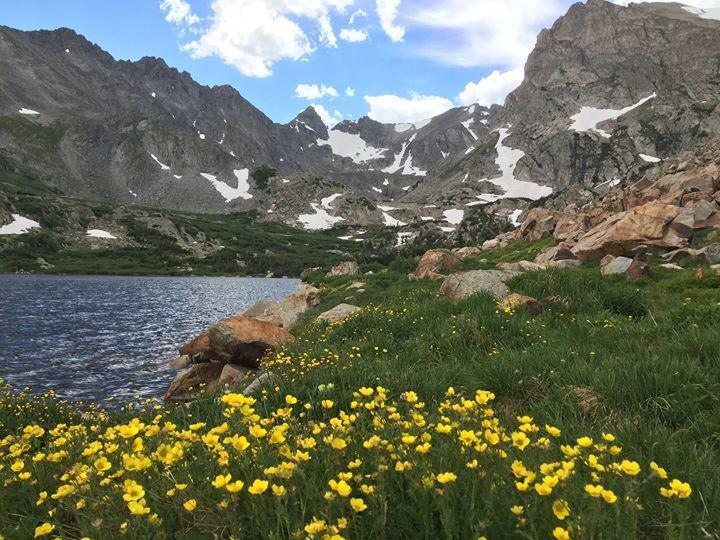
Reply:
x=608 y=91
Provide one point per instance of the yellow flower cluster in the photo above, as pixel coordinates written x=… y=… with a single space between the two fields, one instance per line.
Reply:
x=346 y=458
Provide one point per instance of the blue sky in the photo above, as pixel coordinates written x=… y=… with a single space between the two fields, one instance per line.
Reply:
x=404 y=60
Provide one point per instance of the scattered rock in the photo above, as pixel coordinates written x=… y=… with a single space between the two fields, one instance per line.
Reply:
x=433 y=261
x=564 y=263
x=560 y=252
x=260 y=381
x=637 y=269
x=521 y=266
x=610 y=265
x=347 y=268
x=461 y=285
x=244 y=340
x=516 y=301
x=187 y=383
x=356 y=285
x=338 y=313
x=490 y=244
x=716 y=268
x=653 y=224
x=671 y=266
x=539 y=223
x=465 y=252
x=701 y=273
x=286 y=313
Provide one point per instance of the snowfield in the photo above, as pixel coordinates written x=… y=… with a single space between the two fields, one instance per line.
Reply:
x=19 y=225
x=242 y=191
x=99 y=233
x=162 y=165
x=507 y=160
x=320 y=220
x=327 y=201
x=454 y=216
x=352 y=146
x=650 y=159
x=28 y=112
x=589 y=117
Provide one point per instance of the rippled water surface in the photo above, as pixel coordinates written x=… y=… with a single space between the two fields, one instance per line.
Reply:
x=89 y=338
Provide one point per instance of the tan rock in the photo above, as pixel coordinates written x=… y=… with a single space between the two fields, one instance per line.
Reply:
x=560 y=252
x=198 y=349
x=244 y=340
x=433 y=262
x=347 y=268
x=515 y=302
x=652 y=224
x=490 y=244
x=637 y=269
x=231 y=374
x=466 y=252
x=286 y=313
x=338 y=313
x=671 y=266
x=188 y=383
x=461 y=285
x=571 y=224
x=180 y=362
x=539 y=223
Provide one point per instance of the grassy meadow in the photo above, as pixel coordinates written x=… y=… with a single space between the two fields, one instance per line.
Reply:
x=417 y=418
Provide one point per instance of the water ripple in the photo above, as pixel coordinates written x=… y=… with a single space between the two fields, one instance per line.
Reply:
x=90 y=338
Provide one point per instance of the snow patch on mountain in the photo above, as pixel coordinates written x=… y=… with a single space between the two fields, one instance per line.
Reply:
x=327 y=201
x=162 y=165
x=506 y=161
x=704 y=13
x=28 y=112
x=19 y=225
x=467 y=124
x=320 y=220
x=513 y=217
x=242 y=191
x=351 y=145
x=589 y=117
x=650 y=159
x=454 y=216
x=99 y=233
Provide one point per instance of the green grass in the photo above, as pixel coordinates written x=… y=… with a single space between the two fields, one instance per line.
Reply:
x=250 y=247
x=640 y=361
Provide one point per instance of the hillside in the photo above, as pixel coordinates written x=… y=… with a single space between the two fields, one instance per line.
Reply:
x=592 y=415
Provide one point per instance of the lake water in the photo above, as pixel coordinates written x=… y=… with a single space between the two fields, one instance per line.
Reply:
x=89 y=338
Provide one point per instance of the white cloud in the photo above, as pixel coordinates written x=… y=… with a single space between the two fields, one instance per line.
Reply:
x=350 y=91
x=397 y=109
x=353 y=35
x=387 y=11
x=492 y=33
x=179 y=12
x=329 y=118
x=356 y=15
x=251 y=35
x=314 y=91
x=491 y=89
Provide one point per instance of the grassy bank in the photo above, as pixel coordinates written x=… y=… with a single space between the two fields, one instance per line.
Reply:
x=597 y=418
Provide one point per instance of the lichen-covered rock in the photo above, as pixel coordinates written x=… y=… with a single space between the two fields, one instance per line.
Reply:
x=347 y=268
x=339 y=313
x=433 y=262
x=461 y=285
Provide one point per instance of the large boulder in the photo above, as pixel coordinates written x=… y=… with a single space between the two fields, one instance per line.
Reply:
x=571 y=224
x=461 y=285
x=347 y=268
x=286 y=313
x=651 y=224
x=611 y=265
x=198 y=350
x=466 y=252
x=433 y=262
x=244 y=340
x=338 y=313
x=539 y=223
x=560 y=252
x=637 y=269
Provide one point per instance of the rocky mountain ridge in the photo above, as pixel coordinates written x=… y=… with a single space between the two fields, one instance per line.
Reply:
x=608 y=92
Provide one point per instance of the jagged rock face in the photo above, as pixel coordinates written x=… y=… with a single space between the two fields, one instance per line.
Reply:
x=608 y=91
x=606 y=56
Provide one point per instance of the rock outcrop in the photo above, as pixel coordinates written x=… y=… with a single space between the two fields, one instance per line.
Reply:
x=243 y=340
x=347 y=268
x=435 y=261
x=462 y=285
x=286 y=313
x=338 y=313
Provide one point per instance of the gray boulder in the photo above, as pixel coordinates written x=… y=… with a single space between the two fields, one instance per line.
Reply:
x=461 y=285
x=338 y=313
